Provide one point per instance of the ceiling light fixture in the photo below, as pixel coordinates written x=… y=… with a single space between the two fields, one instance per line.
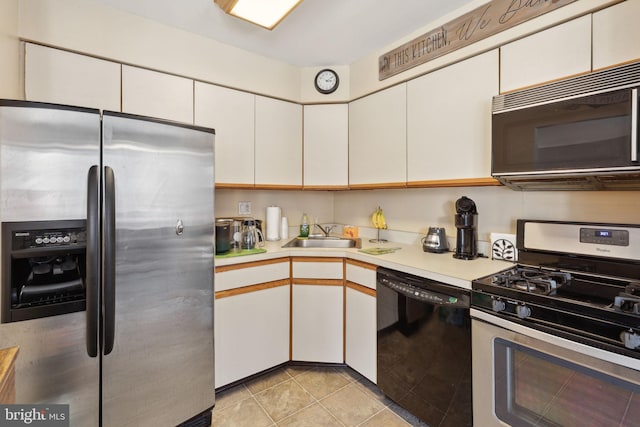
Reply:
x=265 y=13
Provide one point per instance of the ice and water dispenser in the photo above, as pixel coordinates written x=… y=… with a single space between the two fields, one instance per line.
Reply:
x=43 y=268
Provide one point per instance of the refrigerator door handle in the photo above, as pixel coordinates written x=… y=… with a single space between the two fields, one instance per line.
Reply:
x=93 y=260
x=109 y=263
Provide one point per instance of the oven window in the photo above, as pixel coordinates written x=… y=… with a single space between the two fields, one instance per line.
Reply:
x=537 y=389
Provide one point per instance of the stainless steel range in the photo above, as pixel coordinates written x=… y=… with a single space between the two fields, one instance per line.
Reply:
x=564 y=320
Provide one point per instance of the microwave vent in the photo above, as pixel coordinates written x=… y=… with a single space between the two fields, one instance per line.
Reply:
x=572 y=182
x=620 y=77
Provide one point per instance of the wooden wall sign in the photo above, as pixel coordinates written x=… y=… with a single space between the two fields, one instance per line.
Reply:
x=480 y=23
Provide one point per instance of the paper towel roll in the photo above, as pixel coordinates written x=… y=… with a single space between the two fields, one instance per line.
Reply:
x=273 y=222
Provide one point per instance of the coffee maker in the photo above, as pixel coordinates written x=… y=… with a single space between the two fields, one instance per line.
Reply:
x=466 y=220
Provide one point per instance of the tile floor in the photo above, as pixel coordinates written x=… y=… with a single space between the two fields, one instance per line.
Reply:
x=308 y=396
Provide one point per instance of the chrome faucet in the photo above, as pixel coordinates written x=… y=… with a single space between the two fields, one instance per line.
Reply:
x=326 y=229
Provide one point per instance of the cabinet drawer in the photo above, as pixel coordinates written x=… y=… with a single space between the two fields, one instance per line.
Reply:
x=317 y=268
x=239 y=275
x=361 y=273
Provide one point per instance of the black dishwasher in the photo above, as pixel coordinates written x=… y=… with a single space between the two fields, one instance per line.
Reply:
x=424 y=347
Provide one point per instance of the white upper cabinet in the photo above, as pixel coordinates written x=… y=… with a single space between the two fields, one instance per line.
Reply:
x=231 y=113
x=53 y=75
x=561 y=51
x=326 y=145
x=278 y=143
x=377 y=137
x=449 y=120
x=615 y=34
x=154 y=94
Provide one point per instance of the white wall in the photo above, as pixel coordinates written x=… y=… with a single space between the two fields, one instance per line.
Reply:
x=293 y=204
x=9 y=50
x=414 y=210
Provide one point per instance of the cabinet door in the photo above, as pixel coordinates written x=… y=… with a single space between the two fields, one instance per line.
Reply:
x=326 y=146
x=53 y=75
x=251 y=273
x=377 y=138
x=251 y=333
x=154 y=94
x=231 y=113
x=278 y=149
x=360 y=318
x=317 y=323
x=561 y=51
x=615 y=34
x=360 y=333
x=449 y=120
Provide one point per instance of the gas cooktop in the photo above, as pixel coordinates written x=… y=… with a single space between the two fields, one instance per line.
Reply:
x=562 y=286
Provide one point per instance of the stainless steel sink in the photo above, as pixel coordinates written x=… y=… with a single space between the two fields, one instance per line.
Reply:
x=322 y=242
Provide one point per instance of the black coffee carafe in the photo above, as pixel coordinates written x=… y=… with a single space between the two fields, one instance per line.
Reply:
x=467 y=226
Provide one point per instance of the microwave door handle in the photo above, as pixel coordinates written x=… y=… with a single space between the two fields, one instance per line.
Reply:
x=634 y=125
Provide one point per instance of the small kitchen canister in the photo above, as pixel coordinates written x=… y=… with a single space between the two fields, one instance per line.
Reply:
x=284 y=228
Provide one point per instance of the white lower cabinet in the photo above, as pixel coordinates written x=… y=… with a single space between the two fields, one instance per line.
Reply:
x=317 y=325
x=251 y=329
x=360 y=318
x=251 y=333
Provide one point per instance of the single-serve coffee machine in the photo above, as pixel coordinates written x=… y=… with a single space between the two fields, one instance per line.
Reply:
x=467 y=225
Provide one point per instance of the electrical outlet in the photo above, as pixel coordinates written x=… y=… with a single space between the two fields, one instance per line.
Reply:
x=244 y=208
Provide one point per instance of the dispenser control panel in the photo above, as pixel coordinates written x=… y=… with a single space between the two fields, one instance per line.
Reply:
x=32 y=239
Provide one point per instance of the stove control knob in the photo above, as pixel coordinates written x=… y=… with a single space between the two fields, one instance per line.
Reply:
x=523 y=311
x=498 y=305
x=630 y=339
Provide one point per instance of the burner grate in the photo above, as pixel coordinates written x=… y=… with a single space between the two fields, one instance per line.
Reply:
x=532 y=280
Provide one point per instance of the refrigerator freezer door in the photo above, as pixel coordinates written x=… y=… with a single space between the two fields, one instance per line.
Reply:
x=160 y=370
x=45 y=153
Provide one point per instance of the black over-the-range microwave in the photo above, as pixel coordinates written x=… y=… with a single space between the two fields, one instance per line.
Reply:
x=575 y=134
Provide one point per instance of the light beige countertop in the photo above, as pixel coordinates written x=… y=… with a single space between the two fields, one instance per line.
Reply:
x=409 y=259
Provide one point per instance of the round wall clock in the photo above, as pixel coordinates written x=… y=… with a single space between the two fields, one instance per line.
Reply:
x=326 y=81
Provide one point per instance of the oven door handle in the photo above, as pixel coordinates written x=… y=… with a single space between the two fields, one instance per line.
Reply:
x=93 y=261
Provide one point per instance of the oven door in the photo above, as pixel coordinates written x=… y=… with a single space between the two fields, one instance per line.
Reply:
x=524 y=377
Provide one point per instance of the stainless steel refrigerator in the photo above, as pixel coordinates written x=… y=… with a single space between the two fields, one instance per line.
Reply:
x=135 y=346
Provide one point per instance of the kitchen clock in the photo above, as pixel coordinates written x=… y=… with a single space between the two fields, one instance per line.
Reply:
x=326 y=81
